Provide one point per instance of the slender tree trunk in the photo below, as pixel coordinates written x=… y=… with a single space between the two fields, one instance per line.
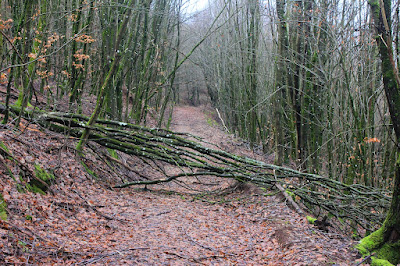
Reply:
x=170 y=88
x=253 y=36
x=107 y=80
x=280 y=77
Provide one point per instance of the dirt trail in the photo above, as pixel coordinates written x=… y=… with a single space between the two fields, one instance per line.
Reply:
x=88 y=224
x=193 y=120
x=203 y=122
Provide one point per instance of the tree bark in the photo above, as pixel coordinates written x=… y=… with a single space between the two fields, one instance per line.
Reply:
x=386 y=241
x=280 y=75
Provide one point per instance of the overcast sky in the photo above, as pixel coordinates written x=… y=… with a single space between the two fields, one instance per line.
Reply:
x=196 y=5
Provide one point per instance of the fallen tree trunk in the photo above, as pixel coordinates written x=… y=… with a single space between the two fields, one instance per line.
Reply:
x=363 y=205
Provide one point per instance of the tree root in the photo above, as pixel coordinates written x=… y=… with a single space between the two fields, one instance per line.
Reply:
x=379 y=249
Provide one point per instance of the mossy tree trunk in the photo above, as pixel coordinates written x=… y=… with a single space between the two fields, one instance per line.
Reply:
x=385 y=242
x=280 y=77
x=107 y=80
x=253 y=36
x=27 y=71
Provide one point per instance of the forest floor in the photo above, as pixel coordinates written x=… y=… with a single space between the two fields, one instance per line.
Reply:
x=83 y=221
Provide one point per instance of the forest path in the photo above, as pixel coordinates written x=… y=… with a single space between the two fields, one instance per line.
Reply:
x=204 y=122
x=266 y=230
x=193 y=120
x=86 y=223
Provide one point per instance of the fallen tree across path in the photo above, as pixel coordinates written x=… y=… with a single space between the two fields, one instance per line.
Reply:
x=353 y=204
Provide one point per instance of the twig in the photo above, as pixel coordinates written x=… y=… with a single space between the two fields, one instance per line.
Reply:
x=12 y=45
x=118 y=252
x=365 y=259
x=6 y=225
x=220 y=118
x=94 y=208
x=125 y=165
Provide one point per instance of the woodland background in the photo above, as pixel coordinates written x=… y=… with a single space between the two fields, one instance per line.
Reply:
x=301 y=78
x=300 y=81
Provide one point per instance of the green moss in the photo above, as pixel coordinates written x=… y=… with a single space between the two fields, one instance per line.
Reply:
x=311 y=220
x=355 y=235
x=385 y=253
x=291 y=194
x=43 y=174
x=4 y=146
x=21 y=188
x=389 y=252
x=18 y=103
x=113 y=153
x=89 y=171
x=10 y=173
x=380 y=262
x=37 y=186
x=3 y=208
x=272 y=193
x=371 y=242
x=35 y=189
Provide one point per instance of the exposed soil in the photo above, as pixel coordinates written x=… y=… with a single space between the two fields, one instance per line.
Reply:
x=85 y=222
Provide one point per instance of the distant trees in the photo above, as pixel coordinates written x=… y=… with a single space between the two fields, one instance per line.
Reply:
x=230 y=60
x=308 y=78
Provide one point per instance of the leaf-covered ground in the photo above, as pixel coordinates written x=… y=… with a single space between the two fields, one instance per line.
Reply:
x=206 y=221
